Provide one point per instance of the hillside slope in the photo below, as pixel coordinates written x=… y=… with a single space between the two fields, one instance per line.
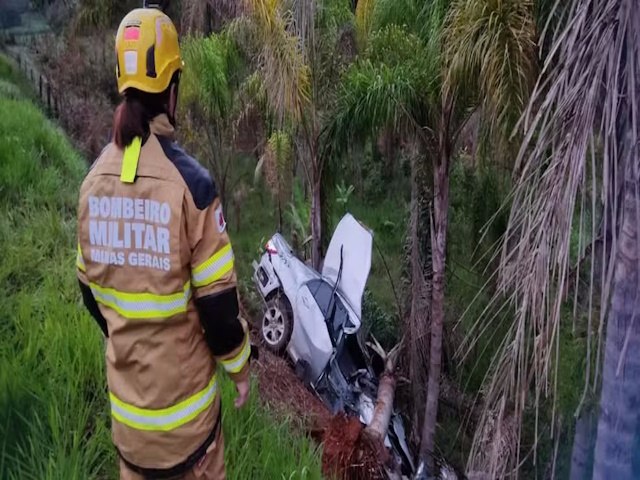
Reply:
x=54 y=421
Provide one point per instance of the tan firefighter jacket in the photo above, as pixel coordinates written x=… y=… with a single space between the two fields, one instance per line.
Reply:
x=156 y=270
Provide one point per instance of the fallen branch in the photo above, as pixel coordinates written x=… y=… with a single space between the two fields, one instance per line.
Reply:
x=353 y=453
x=376 y=431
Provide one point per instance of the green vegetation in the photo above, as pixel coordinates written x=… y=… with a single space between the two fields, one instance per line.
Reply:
x=54 y=421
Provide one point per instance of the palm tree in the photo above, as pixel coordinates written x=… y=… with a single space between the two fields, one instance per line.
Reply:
x=292 y=47
x=427 y=67
x=578 y=172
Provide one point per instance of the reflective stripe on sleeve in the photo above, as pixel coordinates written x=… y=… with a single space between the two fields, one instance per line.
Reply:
x=237 y=363
x=142 y=305
x=80 y=261
x=164 y=419
x=214 y=268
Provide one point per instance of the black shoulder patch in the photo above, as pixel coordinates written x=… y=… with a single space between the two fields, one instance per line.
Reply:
x=197 y=178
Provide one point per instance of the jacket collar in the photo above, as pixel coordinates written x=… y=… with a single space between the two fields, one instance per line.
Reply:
x=161 y=126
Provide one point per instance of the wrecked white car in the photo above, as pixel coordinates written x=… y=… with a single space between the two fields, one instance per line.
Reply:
x=314 y=319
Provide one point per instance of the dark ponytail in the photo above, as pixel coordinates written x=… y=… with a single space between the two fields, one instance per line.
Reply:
x=131 y=118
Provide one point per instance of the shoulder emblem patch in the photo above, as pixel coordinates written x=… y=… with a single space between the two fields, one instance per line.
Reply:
x=220 y=221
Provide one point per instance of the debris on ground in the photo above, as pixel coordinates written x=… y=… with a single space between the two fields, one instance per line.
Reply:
x=348 y=454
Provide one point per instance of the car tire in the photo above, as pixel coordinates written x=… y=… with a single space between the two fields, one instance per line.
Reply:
x=276 y=325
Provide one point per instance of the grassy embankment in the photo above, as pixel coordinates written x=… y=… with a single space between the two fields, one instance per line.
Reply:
x=54 y=421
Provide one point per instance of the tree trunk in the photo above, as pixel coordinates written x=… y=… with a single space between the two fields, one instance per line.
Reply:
x=438 y=249
x=582 y=452
x=379 y=425
x=417 y=326
x=316 y=224
x=616 y=444
x=375 y=433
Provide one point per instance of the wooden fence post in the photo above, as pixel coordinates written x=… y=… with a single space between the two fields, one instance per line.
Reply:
x=49 y=109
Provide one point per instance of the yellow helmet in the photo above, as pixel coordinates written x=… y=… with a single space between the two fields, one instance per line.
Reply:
x=148 y=51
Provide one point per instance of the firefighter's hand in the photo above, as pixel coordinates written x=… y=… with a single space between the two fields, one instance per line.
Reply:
x=243 y=393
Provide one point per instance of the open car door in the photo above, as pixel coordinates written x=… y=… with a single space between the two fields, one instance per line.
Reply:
x=351 y=246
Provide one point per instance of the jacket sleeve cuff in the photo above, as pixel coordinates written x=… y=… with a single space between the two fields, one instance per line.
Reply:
x=242 y=375
x=236 y=363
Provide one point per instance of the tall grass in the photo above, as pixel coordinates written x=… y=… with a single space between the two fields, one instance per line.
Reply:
x=54 y=421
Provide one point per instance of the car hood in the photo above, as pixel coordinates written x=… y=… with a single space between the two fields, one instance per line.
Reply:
x=351 y=244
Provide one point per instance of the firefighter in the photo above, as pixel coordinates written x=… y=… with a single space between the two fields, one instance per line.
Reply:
x=156 y=271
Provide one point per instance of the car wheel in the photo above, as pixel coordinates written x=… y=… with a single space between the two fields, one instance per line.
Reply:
x=277 y=325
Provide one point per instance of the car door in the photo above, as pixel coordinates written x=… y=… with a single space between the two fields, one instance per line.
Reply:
x=310 y=341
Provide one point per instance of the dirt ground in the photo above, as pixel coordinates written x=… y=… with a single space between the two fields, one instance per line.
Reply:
x=346 y=455
x=283 y=392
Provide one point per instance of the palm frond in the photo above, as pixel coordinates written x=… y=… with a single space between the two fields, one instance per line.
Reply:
x=410 y=32
x=372 y=96
x=335 y=49
x=281 y=59
x=251 y=106
x=581 y=138
x=490 y=52
x=275 y=165
x=393 y=87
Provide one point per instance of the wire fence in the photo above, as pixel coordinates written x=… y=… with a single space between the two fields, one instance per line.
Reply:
x=18 y=47
x=72 y=80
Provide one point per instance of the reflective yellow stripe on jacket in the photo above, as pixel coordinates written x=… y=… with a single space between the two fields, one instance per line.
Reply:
x=214 y=268
x=80 y=261
x=142 y=305
x=237 y=363
x=164 y=419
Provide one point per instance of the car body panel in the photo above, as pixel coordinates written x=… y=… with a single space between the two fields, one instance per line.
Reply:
x=348 y=261
x=310 y=340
